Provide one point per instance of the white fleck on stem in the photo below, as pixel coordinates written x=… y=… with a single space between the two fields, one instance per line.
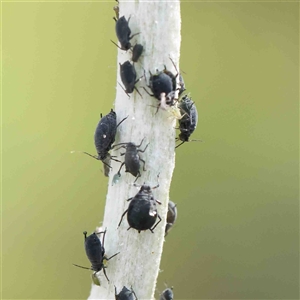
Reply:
x=137 y=265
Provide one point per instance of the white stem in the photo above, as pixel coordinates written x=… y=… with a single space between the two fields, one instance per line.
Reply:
x=137 y=265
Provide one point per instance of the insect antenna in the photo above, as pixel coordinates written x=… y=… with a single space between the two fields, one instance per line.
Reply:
x=82 y=267
x=187 y=142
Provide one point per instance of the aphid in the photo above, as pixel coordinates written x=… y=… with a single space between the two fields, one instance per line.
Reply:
x=163 y=85
x=171 y=216
x=123 y=33
x=132 y=158
x=125 y=294
x=167 y=294
x=142 y=212
x=128 y=77
x=105 y=136
x=189 y=120
x=95 y=252
x=137 y=52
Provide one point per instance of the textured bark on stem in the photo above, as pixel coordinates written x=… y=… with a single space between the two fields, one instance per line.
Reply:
x=137 y=265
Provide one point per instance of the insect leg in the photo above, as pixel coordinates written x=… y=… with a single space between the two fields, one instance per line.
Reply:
x=124 y=213
x=156 y=223
x=105 y=274
x=112 y=256
x=143 y=162
x=120 y=169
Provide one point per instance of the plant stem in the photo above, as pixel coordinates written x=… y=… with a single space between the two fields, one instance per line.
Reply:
x=137 y=265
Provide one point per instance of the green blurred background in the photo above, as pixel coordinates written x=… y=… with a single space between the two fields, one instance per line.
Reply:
x=237 y=234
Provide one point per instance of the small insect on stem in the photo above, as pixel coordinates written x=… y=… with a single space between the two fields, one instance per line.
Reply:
x=132 y=158
x=142 y=213
x=104 y=137
x=125 y=294
x=167 y=294
x=137 y=52
x=123 y=33
x=95 y=252
x=189 y=120
x=163 y=86
x=128 y=77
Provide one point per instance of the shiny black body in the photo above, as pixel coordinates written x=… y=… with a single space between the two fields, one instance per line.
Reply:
x=137 y=52
x=95 y=252
x=125 y=294
x=132 y=159
x=189 y=120
x=142 y=212
x=167 y=294
x=104 y=137
x=105 y=134
x=160 y=83
x=163 y=86
x=123 y=33
x=128 y=77
x=171 y=216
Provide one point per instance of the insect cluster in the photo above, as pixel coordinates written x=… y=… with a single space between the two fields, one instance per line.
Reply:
x=142 y=213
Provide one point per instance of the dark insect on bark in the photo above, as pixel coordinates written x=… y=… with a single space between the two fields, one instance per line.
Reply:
x=128 y=77
x=95 y=252
x=132 y=158
x=163 y=86
x=171 y=216
x=105 y=136
x=142 y=212
x=137 y=52
x=125 y=294
x=189 y=120
x=123 y=33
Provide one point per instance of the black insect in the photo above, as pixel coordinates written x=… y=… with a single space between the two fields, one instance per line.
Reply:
x=125 y=294
x=95 y=252
x=105 y=136
x=163 y=86
x=188 y=122
x=132 y=158
x=128 y=77
x=171 y=216
x=137 y=52
x=123 y=33
x=142 y=212
x=167 y=294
